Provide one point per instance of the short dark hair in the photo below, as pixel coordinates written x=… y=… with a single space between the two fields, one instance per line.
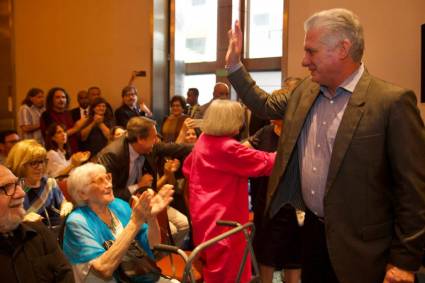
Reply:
x=5 y=133
x=126 y=89
x=31 y=93
x=51 y=94
x=180 y=99
x=139 y=127
x=194 y=90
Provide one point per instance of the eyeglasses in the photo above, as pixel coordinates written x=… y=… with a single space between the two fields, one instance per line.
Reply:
x=10 y=189
x=104 y=179
x=36 y=163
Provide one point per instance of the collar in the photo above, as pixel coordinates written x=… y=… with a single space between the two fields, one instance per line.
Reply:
x=349 y=84
x=133 y=154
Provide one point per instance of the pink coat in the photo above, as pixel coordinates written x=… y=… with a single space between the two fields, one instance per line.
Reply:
x=218 y=169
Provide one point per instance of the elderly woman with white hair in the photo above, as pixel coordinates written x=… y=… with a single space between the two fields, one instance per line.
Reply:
x=218 y=169
x=101 y=219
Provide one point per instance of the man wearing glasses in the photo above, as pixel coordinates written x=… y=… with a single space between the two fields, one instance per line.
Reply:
x=28 y=251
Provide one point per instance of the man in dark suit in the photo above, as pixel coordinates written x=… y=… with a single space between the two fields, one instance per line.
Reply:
x=84 y=104
x=129 y=108
x=351 y=154
x=133 y=158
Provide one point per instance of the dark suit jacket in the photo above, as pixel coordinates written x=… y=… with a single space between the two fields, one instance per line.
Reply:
x=375 y=194
x=116 y=158
x=125 y=113
x=75 y=114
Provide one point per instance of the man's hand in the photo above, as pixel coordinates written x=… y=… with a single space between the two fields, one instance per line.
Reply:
x=397 y=275
x=233 y=55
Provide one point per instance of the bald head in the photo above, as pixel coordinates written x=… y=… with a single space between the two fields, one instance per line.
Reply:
x=221 y=91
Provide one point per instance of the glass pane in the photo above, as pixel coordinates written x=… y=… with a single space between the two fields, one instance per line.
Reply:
x=265 y=28
x=196 y=30
x=204 y=83
x=269 y=81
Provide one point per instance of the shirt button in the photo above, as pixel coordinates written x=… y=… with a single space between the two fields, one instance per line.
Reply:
x=318 y=145
x=314 y=169
x=331 y=102
x=324 y=123
x=312 y=192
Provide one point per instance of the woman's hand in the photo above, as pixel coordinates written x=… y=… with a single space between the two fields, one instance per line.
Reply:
x=79 y=157
x=32 y=217
x=162 y=199
x=66 y=208
x=171 y=166
x=148 y=205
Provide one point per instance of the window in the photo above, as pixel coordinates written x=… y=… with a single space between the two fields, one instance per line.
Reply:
x=264 y=29
x=196 y=24
x=200 y=40
x=204 y=83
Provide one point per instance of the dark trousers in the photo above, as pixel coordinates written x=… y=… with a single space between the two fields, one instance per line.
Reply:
x=316 y=266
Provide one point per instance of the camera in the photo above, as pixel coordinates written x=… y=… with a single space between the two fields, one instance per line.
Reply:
x=141 y=73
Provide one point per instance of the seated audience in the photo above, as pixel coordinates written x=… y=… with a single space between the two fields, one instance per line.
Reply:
x=96 y=130
x=58 y=152
x=57 y=103
x=100 y=217
x=29 y=115
x=129 y=108
x=218 y=169
x=29 y=252
x=173 y=123
x=8 y=139
x=43 y=199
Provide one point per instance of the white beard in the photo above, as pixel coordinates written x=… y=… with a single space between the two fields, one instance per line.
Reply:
x=9 y=221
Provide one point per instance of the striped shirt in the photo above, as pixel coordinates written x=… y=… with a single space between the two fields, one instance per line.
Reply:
x=317 y=139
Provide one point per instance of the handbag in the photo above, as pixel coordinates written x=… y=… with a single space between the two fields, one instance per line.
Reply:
x=136 y=265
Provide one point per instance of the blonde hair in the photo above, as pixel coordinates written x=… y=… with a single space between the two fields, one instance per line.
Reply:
x=223 y=118
x=22 y=153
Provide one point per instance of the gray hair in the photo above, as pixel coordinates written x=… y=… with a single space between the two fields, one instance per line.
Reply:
x=80 y=178
x=139 y=127
x=223 y=118
x=340 y=24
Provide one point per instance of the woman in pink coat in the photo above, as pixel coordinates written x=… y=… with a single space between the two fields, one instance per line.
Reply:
x=218 y=169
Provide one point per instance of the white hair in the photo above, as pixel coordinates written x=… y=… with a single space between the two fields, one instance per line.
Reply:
x=223 y=118
x=80 y=178
x=339 y=24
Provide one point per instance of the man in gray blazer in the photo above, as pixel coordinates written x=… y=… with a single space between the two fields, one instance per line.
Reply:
x=351 y=154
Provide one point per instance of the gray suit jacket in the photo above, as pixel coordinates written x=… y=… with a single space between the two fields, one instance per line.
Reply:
x=375 y=194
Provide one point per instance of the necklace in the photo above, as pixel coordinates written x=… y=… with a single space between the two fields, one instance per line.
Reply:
x=113 y=225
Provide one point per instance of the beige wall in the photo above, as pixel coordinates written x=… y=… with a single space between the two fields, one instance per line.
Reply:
x=79 y=43
x=392 y=35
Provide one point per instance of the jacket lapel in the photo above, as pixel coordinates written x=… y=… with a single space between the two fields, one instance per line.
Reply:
x=299 y=117
x=349 y=123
